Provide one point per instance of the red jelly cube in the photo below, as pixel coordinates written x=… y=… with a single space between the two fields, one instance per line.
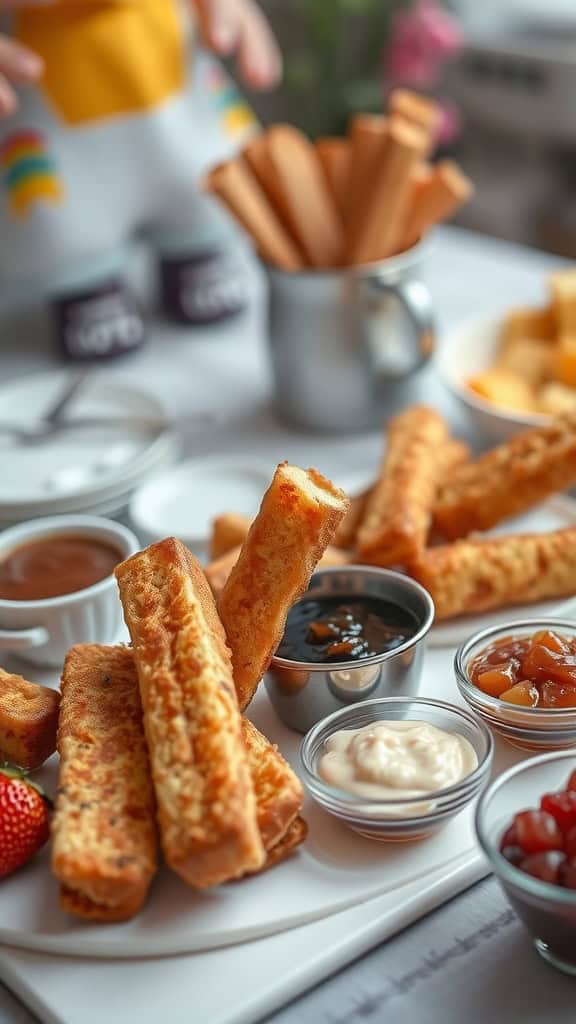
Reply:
x=562 y=807
x=545 y=866
x=537 y=831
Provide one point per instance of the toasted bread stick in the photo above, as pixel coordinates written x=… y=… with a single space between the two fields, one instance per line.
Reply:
x=367 y=141
x=256 y=153
x=481 y=574
x=218 y=571
x=278 y=790
x=419 y=110
x=398 y=512
x=298 y=516
x=313 y=218
x=228 y=531
x=379 y=231
x=334 y=155
x=527 y=322
x=237 y=188
x=104 y=833
x=509 y=479
x=28 y=721
x=447 y=189
x=204 y=792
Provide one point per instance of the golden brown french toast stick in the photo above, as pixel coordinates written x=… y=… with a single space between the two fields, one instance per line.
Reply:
x=104 y=830
x=28 y=721
x=206 y=804
x=297 y=519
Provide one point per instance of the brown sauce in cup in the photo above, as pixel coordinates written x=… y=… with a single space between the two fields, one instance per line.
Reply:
x=55 y=565
x=335 y=629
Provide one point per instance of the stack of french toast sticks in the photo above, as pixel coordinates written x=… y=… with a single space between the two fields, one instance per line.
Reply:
x=430 y=505
x=343 y=201
x=154 y=747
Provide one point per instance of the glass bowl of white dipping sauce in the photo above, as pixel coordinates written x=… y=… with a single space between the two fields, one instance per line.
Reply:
x=398 y=768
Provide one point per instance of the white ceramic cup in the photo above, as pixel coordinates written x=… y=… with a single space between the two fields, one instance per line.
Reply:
x=42 y=631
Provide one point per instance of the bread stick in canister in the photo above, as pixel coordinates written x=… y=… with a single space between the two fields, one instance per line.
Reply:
x=509 y=479
x=367 y=134
x=104 y=831
x=378 y=233
x=437 y=199
x=204 y=791
x=398 y=512
x=298 y=516
x=480 y=574
x=418 y=110
x=313 y=218
x=238 y=189
x=28 y=721
x=334 y=155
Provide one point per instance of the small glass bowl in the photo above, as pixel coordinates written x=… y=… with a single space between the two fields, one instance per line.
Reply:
x=536 y=729
x=400 y=819
x=548 y=911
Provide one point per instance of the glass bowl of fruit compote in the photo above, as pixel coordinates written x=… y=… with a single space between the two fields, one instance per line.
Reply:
x=526 y=825
x=521 y=679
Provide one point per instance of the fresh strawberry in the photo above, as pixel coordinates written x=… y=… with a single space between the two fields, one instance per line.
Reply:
x=24 y=819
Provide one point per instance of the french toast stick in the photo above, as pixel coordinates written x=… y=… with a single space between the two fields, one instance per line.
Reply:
x=278 y=790
x=104 y=833
x=28 y=721
x=292 y=838
x=479 y=574
x=298 y=516
x=509 y=479
x=398 y=511
x=204 y=792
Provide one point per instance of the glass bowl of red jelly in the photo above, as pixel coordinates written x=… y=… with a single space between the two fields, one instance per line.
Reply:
x=520 y=678
x=526 y=826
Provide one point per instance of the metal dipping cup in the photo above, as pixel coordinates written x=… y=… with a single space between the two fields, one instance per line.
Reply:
x=302 y=693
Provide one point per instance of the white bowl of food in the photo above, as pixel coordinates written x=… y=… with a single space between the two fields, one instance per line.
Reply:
x=515 y=369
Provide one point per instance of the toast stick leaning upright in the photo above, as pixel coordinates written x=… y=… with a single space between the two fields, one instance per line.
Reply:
x=204 y=791
x=238 y=189
x=104 y=831
x=398 y=512
x=298 y=516
x=483 y=573
x=334 y=155
x=509 y=479
x=436 y=200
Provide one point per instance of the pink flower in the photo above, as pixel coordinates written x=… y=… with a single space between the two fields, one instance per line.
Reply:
x=421 y=39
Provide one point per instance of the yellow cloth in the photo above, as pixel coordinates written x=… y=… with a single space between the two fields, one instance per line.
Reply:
x=106 y=57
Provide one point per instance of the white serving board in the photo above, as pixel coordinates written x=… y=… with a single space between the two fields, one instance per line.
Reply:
x=335 y=869
x=232 y=985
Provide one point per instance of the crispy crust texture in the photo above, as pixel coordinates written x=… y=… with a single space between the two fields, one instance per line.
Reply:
x=204 y=792
x=509 y=479
x=278 y=790
x=297 y=519
x=476 y=575
x=218 y=572
x=28 y=721
x=104 y=835
x=398 y=512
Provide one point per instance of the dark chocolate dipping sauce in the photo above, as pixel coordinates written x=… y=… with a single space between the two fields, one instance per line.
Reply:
x=55 y=565
x=335 y=629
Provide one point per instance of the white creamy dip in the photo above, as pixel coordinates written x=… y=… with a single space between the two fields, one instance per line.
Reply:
x=395 y=760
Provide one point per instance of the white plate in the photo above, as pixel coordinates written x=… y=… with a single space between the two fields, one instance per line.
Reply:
x=183 y=501
x=335 y=869
x=554 y=514
x=79 y=468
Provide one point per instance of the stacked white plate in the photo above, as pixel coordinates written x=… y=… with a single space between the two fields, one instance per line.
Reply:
x=91 y=469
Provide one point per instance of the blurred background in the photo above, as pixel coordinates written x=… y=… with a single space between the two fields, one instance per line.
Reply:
x=505 y=71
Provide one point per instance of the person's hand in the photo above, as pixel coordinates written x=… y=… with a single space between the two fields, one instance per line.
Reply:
x=18 y=65
x=239 y=27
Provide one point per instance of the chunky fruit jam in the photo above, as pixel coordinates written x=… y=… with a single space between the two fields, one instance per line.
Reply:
x=542 y=841
x=530 y=671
